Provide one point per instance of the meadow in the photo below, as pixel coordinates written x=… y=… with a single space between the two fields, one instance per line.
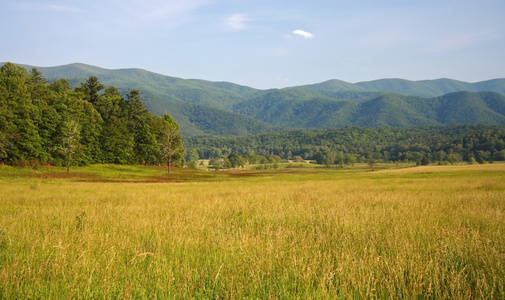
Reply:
x=134 y=232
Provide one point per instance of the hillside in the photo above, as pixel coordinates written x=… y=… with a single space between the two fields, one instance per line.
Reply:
x=213 y=94
x=278 y=108
x=183 y=99
x=223 y=108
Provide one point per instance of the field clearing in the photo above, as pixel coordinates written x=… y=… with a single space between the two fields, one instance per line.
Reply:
x=136 y=232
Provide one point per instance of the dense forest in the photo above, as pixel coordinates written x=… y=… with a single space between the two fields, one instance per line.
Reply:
x=42 y=123
x=423 y=145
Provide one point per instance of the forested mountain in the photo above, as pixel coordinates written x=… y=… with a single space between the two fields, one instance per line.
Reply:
x=221 y=108
x=184 y=99
x=278 y=108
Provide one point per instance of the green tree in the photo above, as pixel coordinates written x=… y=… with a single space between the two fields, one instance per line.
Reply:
x=297 y=159
x=6 y=125
x=38 y=85
x=91 y=129
x=371 y=163
x=45 y=115
x=499 y=155
x=236 y=160
x=60 y=86
x=226 y=163
x=452 y=158
x=70 y=139
x=350 y=159
x=192 y=158
x=425 y=161
x=256 y=159
x=117 y=142
x=23 y=142
x=110 y=104
x=62 y=104
x=170 y=141
x=141 y=126
x=71 y=107
x=322 y=159
x=483 y=156
x=91 y=89
x=216 y=163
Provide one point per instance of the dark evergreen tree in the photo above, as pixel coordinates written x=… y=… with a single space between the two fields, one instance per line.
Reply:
x=111 y=103
x=6 y=125
x=91 y=129
x=140 y=125
x=117 y=142
x=91 y=88
x=24 y=143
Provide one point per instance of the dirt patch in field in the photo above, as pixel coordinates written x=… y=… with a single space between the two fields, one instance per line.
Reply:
x=240 y=174
x=79 y=176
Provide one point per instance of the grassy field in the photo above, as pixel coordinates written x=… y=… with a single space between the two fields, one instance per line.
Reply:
x=307 y=233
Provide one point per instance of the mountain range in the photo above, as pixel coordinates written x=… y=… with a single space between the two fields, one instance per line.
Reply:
x=222 y=108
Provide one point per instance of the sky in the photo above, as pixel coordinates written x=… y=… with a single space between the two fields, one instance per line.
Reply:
x=262 y=43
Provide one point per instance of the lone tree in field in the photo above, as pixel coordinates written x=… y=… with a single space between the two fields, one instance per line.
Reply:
x=236 y=160
x=70 y=140
x=170 y=141
x=372 y=163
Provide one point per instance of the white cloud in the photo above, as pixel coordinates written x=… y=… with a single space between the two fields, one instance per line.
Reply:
x=304 y=34
x=237 y=22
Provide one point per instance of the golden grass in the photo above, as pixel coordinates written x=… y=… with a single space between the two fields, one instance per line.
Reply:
x=430 y=232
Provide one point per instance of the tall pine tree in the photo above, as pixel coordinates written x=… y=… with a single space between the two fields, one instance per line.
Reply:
x=140 y=125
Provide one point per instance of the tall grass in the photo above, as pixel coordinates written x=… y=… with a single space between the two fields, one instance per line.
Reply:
x=427 y=232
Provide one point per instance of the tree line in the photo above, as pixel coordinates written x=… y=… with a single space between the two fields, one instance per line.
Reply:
x=42 y=123
x=349 y=145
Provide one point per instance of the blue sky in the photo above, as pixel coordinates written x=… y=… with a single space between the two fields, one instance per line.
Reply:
x=263 y=43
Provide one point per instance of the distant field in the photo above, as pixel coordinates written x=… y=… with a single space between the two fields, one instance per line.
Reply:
x=299 y=232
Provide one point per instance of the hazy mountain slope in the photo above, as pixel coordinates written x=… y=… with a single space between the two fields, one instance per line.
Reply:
x=335 y=85
x=422 y=88
x=494 y=85
x=432 y=88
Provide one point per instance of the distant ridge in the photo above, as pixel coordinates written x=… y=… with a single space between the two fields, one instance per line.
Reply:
x=433 y=88
x=224 y=108
x=421 y=88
